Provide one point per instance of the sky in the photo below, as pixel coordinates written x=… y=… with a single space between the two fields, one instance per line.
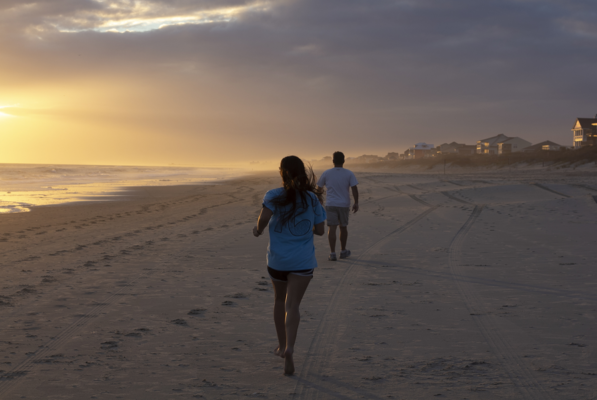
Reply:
x=230 y=82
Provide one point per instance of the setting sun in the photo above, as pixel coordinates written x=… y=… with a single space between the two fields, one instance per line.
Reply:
x=3 y=114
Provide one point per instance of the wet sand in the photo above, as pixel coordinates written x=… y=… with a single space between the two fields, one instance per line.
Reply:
x=462 y=286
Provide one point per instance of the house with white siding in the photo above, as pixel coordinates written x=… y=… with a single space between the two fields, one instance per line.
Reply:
x=584 y=132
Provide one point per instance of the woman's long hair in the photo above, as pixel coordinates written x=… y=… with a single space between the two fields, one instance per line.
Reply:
x=298 y=180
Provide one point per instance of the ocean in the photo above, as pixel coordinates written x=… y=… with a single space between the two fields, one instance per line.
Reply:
x=23 y=186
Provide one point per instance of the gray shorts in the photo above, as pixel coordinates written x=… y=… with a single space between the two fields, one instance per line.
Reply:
x=337 y=215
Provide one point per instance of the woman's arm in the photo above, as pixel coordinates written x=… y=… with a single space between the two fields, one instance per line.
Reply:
x=319 y=229
x=262 y=221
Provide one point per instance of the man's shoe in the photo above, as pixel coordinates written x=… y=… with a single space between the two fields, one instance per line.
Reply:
x=345 y=254
x=332 y=257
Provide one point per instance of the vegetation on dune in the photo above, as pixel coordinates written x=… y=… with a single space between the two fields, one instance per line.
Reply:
x=562 y=158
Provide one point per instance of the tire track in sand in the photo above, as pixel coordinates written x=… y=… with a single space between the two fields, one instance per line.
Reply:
x=451 y=196
x=325 y=334
x=540 y=186
x=521 y=376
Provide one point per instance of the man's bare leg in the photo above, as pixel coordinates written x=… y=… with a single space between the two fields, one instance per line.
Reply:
x=279 y=315
x=343 y=236
x=332 y=237
x=297 y=285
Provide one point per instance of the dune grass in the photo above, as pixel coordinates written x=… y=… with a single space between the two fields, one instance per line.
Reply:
x=562 y=158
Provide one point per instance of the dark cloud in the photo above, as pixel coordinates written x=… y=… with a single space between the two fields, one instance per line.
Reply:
x=402 y=71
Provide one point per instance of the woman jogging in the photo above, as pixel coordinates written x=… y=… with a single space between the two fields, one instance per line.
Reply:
x=295 y=213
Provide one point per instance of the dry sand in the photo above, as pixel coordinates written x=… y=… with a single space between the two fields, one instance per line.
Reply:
x=467 y=286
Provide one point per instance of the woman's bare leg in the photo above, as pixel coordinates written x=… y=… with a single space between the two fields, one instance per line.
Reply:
x=279 y=315
x=296 y=287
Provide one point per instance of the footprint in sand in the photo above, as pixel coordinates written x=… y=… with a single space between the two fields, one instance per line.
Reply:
x=179 y=321
x=237 y=296
x=30 y=258
x=197 y=311
x=228 y=303
x=109 y=345
x=27 y=290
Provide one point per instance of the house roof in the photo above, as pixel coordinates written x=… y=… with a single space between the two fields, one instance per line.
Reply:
x=496 y=139
x=424 y=146
x=510 y=139
x=585 y=122
x=453 y=144
x=539 y=146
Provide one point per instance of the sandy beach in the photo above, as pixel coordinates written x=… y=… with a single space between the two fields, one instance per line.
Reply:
x=460 y=286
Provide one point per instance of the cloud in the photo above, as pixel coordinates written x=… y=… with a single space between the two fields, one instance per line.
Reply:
x=122 y=15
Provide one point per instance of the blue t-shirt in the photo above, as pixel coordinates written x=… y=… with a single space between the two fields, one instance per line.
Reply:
x=291 y=246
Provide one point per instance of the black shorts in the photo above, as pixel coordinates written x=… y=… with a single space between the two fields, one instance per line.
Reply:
x=282 y=276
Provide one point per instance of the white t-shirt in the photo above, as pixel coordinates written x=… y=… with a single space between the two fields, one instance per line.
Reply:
x=338 y=182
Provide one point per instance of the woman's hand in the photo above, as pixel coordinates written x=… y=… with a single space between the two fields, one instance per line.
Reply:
x=256 y=232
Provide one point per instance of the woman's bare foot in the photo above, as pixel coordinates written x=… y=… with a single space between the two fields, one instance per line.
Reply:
x=279 y=352
x=288 y=362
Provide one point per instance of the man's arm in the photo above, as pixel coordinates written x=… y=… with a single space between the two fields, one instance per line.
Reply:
x=319 y=229
x=262 y=222
x=355 y=194
x=323 y=193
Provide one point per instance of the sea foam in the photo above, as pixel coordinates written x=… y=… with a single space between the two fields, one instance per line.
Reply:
x=23 y=186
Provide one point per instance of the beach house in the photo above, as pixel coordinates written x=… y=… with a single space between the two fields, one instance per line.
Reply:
x=490 y=145
x=422 y=150
x=512 y=145
x=545 y=145
x=501 y=144
x=457 y=148
x=584 y=132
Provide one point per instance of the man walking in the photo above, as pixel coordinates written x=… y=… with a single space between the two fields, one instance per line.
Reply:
x=337 y=182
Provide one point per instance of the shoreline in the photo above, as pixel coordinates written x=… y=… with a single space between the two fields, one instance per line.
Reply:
x=92 y=191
